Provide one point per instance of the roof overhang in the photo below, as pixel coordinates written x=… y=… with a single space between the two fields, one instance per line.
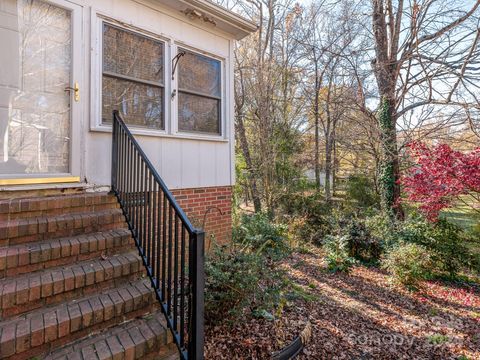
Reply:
x=214 y=15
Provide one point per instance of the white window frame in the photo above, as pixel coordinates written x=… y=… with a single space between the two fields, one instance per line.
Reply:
x=98 y=19
x=171 y=46
x=223 y=109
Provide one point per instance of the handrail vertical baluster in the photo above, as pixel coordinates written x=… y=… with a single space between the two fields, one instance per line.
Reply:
x=164 y=243
x=154 y=232
x=159 y=236
x=150 y=224
x=127 y=179
x=169 y=274
x=138 y=210
x=175 y=274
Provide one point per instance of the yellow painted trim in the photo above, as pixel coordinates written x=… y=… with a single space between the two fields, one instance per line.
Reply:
x=29 y=181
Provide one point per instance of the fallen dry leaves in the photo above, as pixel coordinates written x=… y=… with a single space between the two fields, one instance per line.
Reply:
x=359 y=316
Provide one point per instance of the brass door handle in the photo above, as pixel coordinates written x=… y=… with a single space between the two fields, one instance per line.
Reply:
x=76 y=91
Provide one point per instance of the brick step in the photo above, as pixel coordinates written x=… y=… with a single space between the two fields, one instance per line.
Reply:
x=20 y=259
x=20 y=231
x=56 y=205
x=144 y=338
x=27 y=292
x=37 y=333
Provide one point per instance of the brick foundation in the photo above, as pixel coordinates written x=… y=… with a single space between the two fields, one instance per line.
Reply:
x=205 y=203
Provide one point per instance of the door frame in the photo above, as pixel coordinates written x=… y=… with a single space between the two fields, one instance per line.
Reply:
x=76 y=107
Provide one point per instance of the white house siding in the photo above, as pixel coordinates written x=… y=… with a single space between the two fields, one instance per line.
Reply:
x=183 y=163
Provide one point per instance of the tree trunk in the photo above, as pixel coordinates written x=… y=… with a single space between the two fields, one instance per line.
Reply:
x=328 y=168
x=335 y=167
x=257 y=205
x=317 y=129
x=389 y=174
x=385 y=66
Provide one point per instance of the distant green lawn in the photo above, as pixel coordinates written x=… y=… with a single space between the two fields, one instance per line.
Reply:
x=463 y=216
x=468 y=219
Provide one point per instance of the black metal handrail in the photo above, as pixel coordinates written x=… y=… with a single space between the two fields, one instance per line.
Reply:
x=160 y=229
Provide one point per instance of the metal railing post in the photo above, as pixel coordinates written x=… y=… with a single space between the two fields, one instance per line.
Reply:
x=114 y=153
x=197 y=277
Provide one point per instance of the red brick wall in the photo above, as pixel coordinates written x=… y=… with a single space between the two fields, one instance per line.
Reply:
x=209 y=200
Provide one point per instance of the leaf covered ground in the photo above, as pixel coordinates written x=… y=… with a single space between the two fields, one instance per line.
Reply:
x=360 y=315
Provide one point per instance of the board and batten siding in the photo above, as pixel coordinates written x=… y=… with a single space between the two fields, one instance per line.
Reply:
x=182 y=161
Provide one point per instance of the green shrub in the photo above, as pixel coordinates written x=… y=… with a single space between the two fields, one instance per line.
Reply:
x=382 y=229
x=360 y=191
x=475 y=231
x=239 y=282
x=448 y=247
x=408 y=263
x=231 y=278
x=415 y=229
x=361 y=243
x=310 y=217
x=446 y=242
x=246 y=279
x=258 y=234
x=336 y=254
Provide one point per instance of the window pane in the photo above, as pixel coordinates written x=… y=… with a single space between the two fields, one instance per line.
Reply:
x=200 y=74
x=141 y=105
x=198 y=113
x=130 y=54
x=35 y=68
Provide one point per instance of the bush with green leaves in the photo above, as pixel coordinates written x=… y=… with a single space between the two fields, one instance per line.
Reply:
x=246 y=279
x=409 y=264
x=309 y=215
x=231 y=279
x=448 y=247
x=382 y=228
x=361 y=243
x=261 y=235
x=239 y=282
x=445 y=241
x=337 y=254
x=360 y=192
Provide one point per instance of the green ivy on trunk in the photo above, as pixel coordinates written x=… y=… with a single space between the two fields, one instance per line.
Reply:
x=387 y=176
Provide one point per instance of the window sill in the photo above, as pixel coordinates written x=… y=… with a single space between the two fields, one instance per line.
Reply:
x=164 y=134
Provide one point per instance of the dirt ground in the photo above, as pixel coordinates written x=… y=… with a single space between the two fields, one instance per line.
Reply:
x=359 y=316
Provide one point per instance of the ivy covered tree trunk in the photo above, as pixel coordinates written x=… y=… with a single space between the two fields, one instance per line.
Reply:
x=385 y=66
x=389 y=171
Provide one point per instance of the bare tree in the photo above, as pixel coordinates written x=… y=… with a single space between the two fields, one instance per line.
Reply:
x=331 y=42
x=267 y=100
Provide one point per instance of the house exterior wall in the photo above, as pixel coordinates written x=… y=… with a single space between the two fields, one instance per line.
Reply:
x=183 y=161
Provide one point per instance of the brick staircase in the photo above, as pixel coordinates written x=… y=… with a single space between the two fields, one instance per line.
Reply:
x=72 y=285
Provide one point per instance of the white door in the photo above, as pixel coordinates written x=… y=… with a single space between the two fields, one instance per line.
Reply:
x=40 y=91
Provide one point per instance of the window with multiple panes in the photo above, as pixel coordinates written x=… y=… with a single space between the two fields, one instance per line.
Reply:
x=133 y=82
x=133 y=77
x=199 y=93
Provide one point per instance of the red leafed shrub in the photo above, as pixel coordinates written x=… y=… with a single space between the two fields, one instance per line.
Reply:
x=441 y=175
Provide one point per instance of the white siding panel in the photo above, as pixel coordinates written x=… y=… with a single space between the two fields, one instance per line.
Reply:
x=98 y=155
x=208 y=164
x=191 y=166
